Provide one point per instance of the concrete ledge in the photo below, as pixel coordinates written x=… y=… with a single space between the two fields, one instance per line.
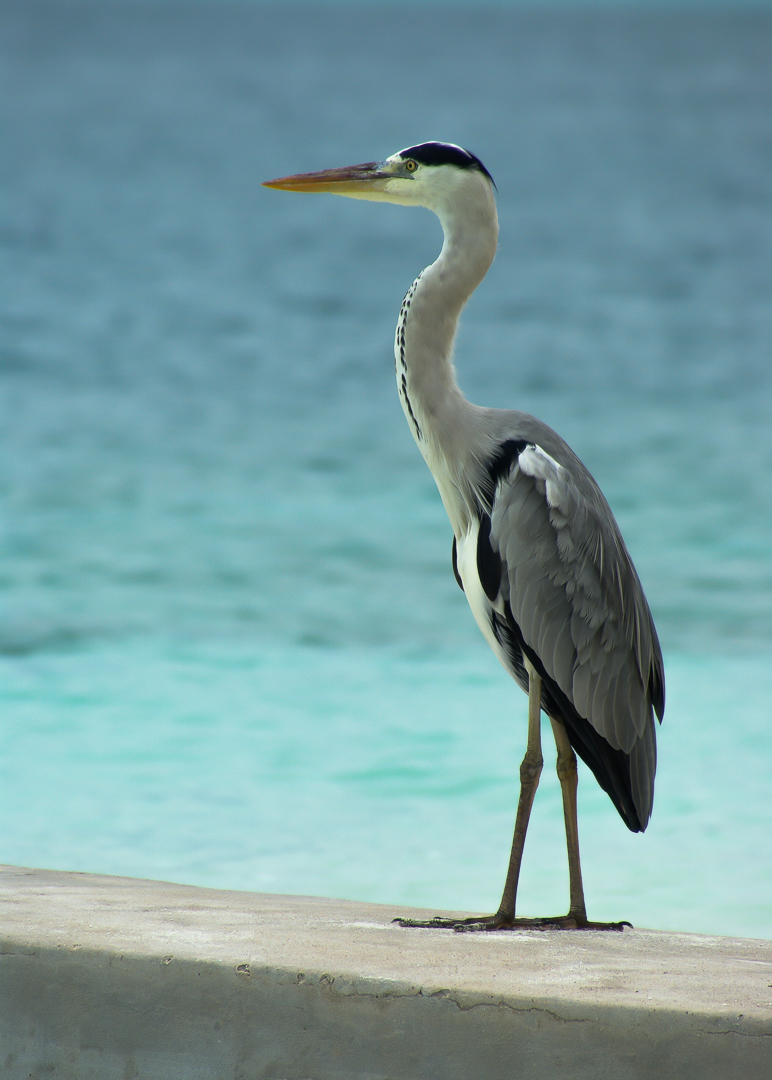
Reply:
x=114 y=978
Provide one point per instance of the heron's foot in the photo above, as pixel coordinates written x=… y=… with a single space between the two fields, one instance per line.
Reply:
x=499 y=921
x=476 y=922
x=568 y=922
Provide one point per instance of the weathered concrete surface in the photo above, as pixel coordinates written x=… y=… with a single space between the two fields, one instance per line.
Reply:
x=115 y=978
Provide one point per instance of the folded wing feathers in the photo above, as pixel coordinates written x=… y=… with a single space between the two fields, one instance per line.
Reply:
x=577 y=599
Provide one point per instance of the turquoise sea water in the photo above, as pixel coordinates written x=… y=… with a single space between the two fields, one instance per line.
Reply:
x=232 y=651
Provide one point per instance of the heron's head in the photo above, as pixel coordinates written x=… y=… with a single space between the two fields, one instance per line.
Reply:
x=432 y=174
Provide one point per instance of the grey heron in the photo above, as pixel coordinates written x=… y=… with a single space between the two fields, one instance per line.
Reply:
x=536 y=548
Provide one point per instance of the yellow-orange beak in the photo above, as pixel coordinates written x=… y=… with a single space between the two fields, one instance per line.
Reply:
x=346 y=181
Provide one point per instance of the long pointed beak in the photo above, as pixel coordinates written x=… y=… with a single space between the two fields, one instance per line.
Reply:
x=346 y=181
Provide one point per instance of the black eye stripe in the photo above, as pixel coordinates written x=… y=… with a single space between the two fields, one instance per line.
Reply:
x=437 y=153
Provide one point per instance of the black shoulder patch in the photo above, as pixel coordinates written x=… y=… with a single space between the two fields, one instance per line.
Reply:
x=488 y=560
x=454 y=560
x=441 y=153
x=499 y=465
x=502 y=463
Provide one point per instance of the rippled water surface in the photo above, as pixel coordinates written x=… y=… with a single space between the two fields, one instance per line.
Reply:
x=232 y=651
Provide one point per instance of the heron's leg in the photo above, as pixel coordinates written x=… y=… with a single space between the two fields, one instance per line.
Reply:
x=530 y=771
x=567 y=774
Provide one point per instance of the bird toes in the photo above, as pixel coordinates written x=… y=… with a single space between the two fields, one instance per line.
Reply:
x=486 y=923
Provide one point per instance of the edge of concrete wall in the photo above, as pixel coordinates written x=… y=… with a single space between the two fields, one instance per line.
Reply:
x=113 y=977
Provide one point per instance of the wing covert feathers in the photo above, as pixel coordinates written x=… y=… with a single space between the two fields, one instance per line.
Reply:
x=567 y=583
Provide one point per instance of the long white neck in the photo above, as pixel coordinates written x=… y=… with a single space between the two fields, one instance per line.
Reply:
x=441 y=419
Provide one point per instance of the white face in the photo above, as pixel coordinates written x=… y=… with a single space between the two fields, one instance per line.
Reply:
x=411 y=183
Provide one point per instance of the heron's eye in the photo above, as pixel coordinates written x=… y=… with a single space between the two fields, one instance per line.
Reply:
x=411 y=166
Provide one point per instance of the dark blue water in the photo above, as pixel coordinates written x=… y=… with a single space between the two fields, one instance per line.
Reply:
x=233 y=652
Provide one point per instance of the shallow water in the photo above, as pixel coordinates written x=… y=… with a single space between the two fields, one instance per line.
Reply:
x=233 y=652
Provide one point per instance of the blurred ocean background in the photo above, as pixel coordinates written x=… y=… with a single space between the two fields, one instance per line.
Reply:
x=232 y=651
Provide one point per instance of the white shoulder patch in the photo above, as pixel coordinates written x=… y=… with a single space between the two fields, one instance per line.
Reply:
x=537 y=463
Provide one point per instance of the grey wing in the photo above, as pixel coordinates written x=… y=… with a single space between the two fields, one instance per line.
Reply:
x=572 y=590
